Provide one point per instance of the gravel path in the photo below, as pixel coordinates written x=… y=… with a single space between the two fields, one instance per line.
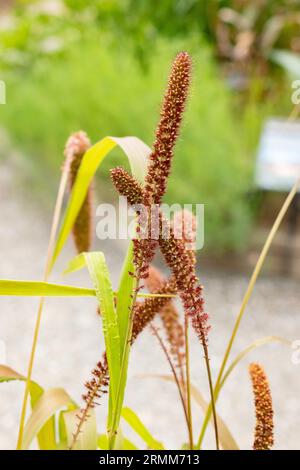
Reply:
x=71 y=341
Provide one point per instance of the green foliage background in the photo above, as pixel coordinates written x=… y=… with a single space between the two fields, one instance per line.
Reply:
x=102 y=67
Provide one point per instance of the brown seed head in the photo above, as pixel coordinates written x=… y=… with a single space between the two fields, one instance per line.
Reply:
x=168 y=128
x=76 y=146
x=263 y=439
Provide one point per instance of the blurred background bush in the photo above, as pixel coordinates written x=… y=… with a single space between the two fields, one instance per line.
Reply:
x=101 y=66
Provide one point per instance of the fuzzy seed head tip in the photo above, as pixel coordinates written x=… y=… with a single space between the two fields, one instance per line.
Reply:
x=77 y=144
x=264 y=438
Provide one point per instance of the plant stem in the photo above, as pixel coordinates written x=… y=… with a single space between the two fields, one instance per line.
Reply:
x=245 y=301
x=154 y=330
x=188 y=383
x=47 y=270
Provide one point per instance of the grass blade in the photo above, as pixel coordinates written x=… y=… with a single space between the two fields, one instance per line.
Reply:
x=137 y=153
x=100 y=276
x=45 y=289
x=124 y=299
x=46 y=436
x=247 y=350
x=226 y=439
x=134 y=421
x=48 y=404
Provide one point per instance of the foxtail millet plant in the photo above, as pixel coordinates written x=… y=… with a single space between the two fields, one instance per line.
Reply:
x=160 y=158
x=172 y=249
x=123 y=310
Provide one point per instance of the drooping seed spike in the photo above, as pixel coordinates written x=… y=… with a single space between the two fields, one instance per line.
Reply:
x=127 y=185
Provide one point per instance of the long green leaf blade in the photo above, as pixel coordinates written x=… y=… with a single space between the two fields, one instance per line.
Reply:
x=44 y=289
x=49 y=403
x=137 y=153
x=46 y=436
x=134 y=421
x=100 y=276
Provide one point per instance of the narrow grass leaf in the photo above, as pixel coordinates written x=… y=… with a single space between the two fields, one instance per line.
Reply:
x=103 y=442
x=124 y=299
x=76 y=263
x=44 y=289
x=46 y=436
x=137 y=153
x=226 y=439
x=49 y=403
x=256 y=344
x=134 y=421
x=100 y=277
x=47 y=289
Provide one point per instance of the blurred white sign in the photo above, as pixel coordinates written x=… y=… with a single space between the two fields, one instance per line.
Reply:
x=278 y=162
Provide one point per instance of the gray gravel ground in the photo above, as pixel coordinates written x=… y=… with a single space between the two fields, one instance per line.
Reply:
x=71 y=342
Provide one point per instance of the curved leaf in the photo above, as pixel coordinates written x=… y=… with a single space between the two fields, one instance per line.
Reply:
x=46 y=436
x=48 y=404
x=100 y=276
x=45 y=289
x=248 y=349
x=226 y=439
x=136 y=152
x=134 y=421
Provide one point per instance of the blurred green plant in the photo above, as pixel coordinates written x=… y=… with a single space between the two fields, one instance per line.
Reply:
x=103 y=89
x=97 y=65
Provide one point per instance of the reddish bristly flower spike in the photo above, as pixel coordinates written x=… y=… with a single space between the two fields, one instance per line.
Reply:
x=76 y=146
x=263 y=439
x=160 y=162
x=169 y=315
x=182 y=264
x=144 y=247
x=184 y=226
x=168 y=129
x=183 y=268
x=126 y=185
x=144 y=312
x=95 y=388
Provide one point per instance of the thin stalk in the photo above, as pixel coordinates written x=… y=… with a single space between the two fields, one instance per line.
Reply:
x=245 y=301
x=211 y=391
x=47 y=270
x=188 y=422
x=188 y=383
x=85 y=412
